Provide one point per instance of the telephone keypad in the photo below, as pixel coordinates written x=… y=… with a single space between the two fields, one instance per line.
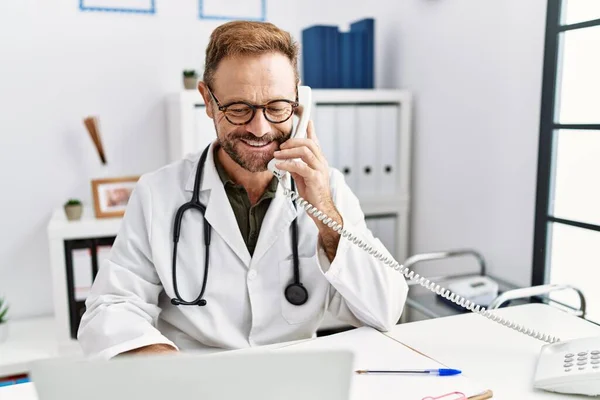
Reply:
x=581 y=360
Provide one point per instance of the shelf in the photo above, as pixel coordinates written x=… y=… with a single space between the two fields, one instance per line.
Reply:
x=357 y=96
x=390 y=204
x=88 y=226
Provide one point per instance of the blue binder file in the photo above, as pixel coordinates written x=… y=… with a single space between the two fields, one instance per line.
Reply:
x=319 y=49
x=346 y=60
x=333 y=59
x=367 y=50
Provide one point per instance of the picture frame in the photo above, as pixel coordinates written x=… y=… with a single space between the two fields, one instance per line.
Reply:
x=111 y=195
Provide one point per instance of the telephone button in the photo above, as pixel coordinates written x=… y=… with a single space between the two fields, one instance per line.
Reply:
x=570 y=355
x=567 y=369
x=596 y=352
x=581 y=368
x=582 y=363
x=567 y=365
x=596 y=357
x=581 y=358
x=583 y=353
x=596 y=366
x=595 y=362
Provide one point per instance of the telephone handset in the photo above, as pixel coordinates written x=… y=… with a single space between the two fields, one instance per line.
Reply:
x=299 y=129
x=551 y=374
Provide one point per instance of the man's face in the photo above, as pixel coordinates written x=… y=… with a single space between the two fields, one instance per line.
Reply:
x=255 y=80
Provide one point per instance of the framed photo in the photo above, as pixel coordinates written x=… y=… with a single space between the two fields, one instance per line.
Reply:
x=111 y=195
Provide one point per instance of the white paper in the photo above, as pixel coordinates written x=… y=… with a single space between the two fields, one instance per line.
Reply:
x=374 y=350
x=82 y=273
x=138 y=5
x=233 y=9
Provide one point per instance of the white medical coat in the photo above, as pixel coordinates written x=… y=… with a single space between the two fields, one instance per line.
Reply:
x=129 y=304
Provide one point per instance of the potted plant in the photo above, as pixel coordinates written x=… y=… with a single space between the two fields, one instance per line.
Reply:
x=190 y=79
x=3 y=321
x=73 y=209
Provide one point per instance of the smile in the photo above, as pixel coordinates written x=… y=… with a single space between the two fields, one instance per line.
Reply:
x=256 y=144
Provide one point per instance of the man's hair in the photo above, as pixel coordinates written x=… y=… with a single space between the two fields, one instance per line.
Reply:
x=239 y=38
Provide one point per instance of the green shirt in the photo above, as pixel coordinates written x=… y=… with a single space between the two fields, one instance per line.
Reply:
x=249 y=217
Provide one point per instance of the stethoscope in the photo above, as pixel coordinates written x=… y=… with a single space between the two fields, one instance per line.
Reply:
x=295 y=293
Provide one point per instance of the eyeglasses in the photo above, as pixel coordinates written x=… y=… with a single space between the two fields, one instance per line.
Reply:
x=242 y=112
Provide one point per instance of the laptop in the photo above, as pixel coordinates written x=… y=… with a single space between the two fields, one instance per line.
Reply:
x=260 y=374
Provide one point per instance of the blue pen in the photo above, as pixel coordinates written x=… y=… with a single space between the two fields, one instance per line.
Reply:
x=437 y=371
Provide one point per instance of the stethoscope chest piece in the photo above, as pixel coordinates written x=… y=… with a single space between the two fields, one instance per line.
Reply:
x=296 y=294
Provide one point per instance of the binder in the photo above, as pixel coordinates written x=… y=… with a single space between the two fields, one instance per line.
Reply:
x=83 y=275
x=346 y=139
x=82 y=263
x=324 y=120
x=388 y=234
x=346 y=44
x=320 y=56
x=387 y=167
x=366 y=135
x=205 y=128
x=373 y=225
x=366 y=28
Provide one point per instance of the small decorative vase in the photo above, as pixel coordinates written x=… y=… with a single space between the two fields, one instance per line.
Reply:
x=73 y=212
x=3 y=332
x=190 y=82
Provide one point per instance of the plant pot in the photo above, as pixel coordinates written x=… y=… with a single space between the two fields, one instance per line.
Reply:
x=73 y=212
x=190 y=82
x=3 y=332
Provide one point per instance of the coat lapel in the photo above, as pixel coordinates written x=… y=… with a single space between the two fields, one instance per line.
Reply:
x=278 y=219
x=218 y=209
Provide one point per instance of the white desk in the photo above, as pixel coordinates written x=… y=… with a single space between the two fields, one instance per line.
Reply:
x=500 y=358
x=30 y=340
x=485 y=351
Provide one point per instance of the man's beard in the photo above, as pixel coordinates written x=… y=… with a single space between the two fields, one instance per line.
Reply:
x=250 y=162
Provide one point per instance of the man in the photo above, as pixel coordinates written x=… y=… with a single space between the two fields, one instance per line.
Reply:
x=250 y=88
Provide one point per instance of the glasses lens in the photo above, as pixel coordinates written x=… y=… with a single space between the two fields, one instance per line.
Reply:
x=278 y=111
x=238 y=113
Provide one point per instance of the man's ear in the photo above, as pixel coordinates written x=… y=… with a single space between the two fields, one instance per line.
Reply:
x=203 y=88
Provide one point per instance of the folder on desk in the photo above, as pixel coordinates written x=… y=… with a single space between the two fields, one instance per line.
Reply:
x=375 y=350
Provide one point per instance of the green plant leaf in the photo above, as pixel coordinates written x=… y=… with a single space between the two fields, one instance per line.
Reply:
x=3 y=314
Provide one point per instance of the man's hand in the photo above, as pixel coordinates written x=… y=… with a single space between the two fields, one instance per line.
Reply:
x=151 y=349
x=312 y=182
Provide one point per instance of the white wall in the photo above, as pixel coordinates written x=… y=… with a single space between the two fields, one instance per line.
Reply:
x=475 y=69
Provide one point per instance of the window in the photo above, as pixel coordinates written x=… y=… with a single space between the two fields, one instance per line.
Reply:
x=567 y=227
